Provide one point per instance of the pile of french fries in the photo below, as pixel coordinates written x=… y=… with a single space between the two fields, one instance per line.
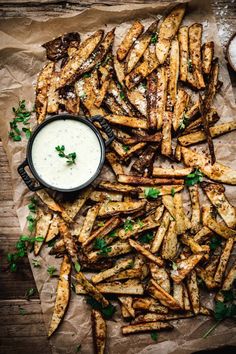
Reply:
x=151 y=254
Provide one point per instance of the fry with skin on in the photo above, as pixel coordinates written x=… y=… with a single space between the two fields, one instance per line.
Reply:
x=102 y=196
x=196 y=210
x=171 y=172
x=149 y=304
x=69 y=242
x=145 y=327
x=212 y=117
x=161 y=93
x=193 y=290
x=179 y=108
x=127 y=121
x=114 y=208
x=117 y=248
x=151 y=100
x=41 y=229
x=127 y=274
x=118 y=187
x=62 y=297
x=146 y=253
x=160 y=294
x=160 y=275
x=130 y=287
x=183 y=53
x=152 y=317
x=178 y=293
x=97 y=278
x=160 y=233
x=195 y=77
x=71 y=209
x=207 y=57
x=114 y=162
x=88 y=223
x=173 y=74
x=127 y=302
x=170 y=242
x=137 y=180
x=142 y=225
x=53 y=229
x=166 y=147
x=168 y=202
x=227 y=283
x=184 y=267
x=182 y=221
x=99 y=331
x=137 y=98
x=49 y=201
x=130 y=37
x=164 y=190
x=224 y=260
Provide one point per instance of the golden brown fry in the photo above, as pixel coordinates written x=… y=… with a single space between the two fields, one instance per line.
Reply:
x=230 y=277
x=138 y=227
x=152 y=317
x=88 y=223
x=160 y=294
x=196 y=210
x=187 y=306
x=115 y=91
x=183 y=53
x=179 y=108
x=168 y=30
x=53 y=229
x=53 y=99
x=114 y=162
x=146 y=253
x=137 y=97
x=58 y=247
x=48 y=200
x=118 y=187
x=207 y=57
x=160 y=233
x=71 y=209
x=218 y=277
x=102 y=92
x=151 y=100
x=145 y=327
x=127 y=121
x=170 y=242
x=195 y=39
x=164 y=190
x=178 y=153
x=41 y=229
x=149 y=304
x=62 y=297
x=161 y=276
x=99 y=331
x=161 y=93
x=184 y=267
x=216 y=172
x=130 y=37
x=119 y=70
x=182 y=221
x=102 y=196
x=173 y=74
x=97 y=278
x=178 y=293
x=104 y=230
x=168 y=202
x=171 y=172
x=194 y=246
x=136 y=180
x=166 y=147
x=114 y=208
x=127 y=274
x=117 y=249
x=193 y=291
x=69 y=242
x=215 y=193
x=144 y=163
x=127 y=302
x=130 y=287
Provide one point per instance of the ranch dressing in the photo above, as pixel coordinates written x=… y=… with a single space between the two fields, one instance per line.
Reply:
x=76 y=137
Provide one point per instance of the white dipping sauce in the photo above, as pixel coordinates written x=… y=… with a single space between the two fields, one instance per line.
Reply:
x=76 y=137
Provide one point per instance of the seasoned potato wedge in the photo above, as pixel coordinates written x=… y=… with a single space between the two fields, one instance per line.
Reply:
x=160 y=233
x=49 y=201
x=170 y=242
x=131 y=36
x=130 y=287
x=160 y=294
x=183 y=53
x=166 y=147
x=182 y=221
x=179 y=108
x=173 y=74
x=99 y=331
x=53 y=229
x=171 y=172
x=207 y=57
x=146 y=253
x=114 y=162
x=111 y=271
x=149 y=304
x=195 y=40
x=151 y=100
x=41 y=229
x=218 y=277
x=114 y=208
x=145 y=327
x=88 y=223
x=193 y=290
x=162 y=80
x=196 y=210
x=117 y=249
x=127 y=121
x=71 y=209
x=136 y=180
x=184 y=267
x=161 y=276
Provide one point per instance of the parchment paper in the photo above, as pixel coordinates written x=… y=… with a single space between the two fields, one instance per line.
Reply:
x=22 y=57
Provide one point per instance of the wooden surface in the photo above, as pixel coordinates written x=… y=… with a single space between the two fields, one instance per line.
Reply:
x=25 y=333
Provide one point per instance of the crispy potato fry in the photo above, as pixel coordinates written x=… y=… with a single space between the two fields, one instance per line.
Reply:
x=168 y=202
x=139 y=47
x=160 y=294
x=196 y=210
x=170 y=242
x=171 y=172
x=187 y=305
x=119 y=69
x=102 y=196
x=183 y=53
x=137 y=97
x=53 y=99
x=138 y=227
x=166 y=147
x=53 y=229
x=62 y=297
x=192 y=111
x=218 y=277
x=118 y=187
x=71 y=209
x=127 y=121
x=145 y=327
x=69 y=242
x=41 y=229
x=215 y=193
x=130 y=37
x=151 y=100
x=117 y=249
x=99 y=331
x=152 y=317
x=111 y=271
x=114 y=162
x=48 y=200
x=203 y=234
x=167 y=31
x=212 y=117
x=115 y=91
x=173 y=75
x=193 y=291
x=208 y=279
x=218 y=228
x=127 y=274
x=194 y=246
x=161 y=95
x=145 y=160
x=146 y=253
x=230 y=277
x=216 y=172
x=149 y=304
x=207 y=57
x=88 y=223
x=130 y=287
x=42 y=88
x=199 y=136
x=182 y=221
x=179 y=108
x=136 y=180
x=57 y=48
x=127 y=302
x=178 y=152
x=161 y=276
x=160 y=233
x=195 y=39
x=155 y=138
x=58 y=247
x=184 y=267
x=178 y=293
x=102 y=92
x=114 y=208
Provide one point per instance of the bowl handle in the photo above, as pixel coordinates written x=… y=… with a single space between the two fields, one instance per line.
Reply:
x=26 y=178
x=106 y=127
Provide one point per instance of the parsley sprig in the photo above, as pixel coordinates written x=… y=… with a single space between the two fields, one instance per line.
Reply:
x=70 y=158
x=128 y=224
x=215 y=242
x=51 y=270
x=194 y=178
x=101 y=245
x=146 y=238
x=151 y=193
x=21 y=115
x=154 y=38
x=184 y=122
x=107 y=312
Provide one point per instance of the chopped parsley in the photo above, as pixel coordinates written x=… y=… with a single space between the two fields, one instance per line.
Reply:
x=22 y=311
x=146 y=238
x=51 y=270
x=21 y=115
x=30 y=292
x=77 y=267
x=172 y=192
x=36 y=263
x=184 y=122
x=154 y=336
x=128 y=225
x=101 y=224
x=70 y=158
x=101 y=245
x=140 y=223
x=112 y=234
x=122 y=95
x=107 y=312
x=86 y=75
x=125 y=148
x=151 y=193
x=215 y=242
x=154 y=38
x=194 y=178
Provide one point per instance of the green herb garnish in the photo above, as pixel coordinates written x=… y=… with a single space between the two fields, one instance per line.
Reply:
x=154 y=38
x=151 y=193
x=86 y=75
x=125 y=148
x=70 y=158
x=172 y=192
x=146 y=238
x=107 y=312
x=36 y=263
x=128 y=225
x=194 y=178
x=101 y=224
x=101 y=245
x=184 y=122
x=29 y=293
x=140 y=223
x=154 y=336
x=78 y=348
x=112 y=234
x=22 y=115
x=77 y=267
x=122 y=95
x=51 y=270
x=215 y=242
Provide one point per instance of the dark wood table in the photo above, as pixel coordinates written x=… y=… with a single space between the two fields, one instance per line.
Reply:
x=25 y=333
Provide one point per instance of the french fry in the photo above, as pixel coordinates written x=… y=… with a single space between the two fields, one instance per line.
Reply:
x=88 y=223
x=183 y=53
x=41 y=229
x=145 y=327
x=161 y=93
x=118 y=187
x=115 y=91
x=193 y=292
x=151 y=100
x=69 y=242
x=203 y=234
x=218 y=277
x=184 y=267
x=117 y=248
x=138 y=227
x=196 y=210
x=160 y=294
x=170 y=242
x=131 y=36
x=161 y=276
x=192 y=111
x=48 y=200
x=136 y=180
x=127 y=121
x=42 y=88
x=212 y=117
x=119 y=68
x=53 y=229
x=218 y=228
x=160 y=233
x=167 y=31
x=113 y=105
x=199 y=136
x=62 y=297
x=114 y=208
x=139 y=47
x=127 y=274
x=71 y=209
x=179 y=108
x=171 y=172
x=130 y=287
x=187 y=306
x=168 y=202
x=138 y=99
x=152 y=317
x=102 y=196
x=178 y=152
x=158 y=213
x=207 y=57
x=216 y=172
x=102 y=92
x=182 y=221
x=58 y=247
x=149 y=304
x=178 y=293
x=195 y=39
x=145 y=160
x=215 y=193
x=97 y=278
x=146 y=253
x=114 y=162
x=166 y=147
x=127 y=302
x=99 y=331
x=53 y=99
x=229 y=279
x=173 y=75
x=194 y=246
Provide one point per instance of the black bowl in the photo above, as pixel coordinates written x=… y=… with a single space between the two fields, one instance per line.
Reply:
x=34 y=186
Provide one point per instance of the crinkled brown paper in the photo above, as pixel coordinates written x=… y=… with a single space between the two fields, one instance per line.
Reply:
x=22 y=57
